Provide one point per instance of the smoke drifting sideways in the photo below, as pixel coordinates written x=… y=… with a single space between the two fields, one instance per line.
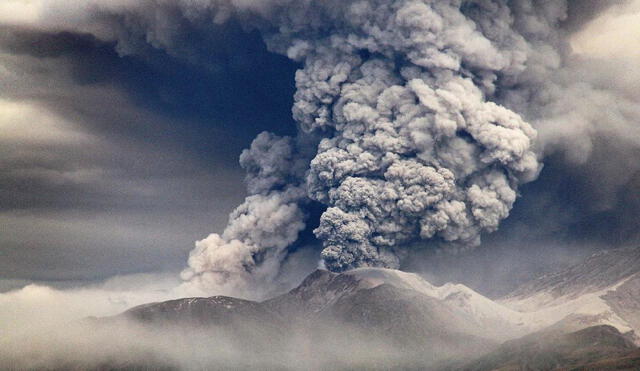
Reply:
x=90 y=345
x=47 y=328
x=418 y=121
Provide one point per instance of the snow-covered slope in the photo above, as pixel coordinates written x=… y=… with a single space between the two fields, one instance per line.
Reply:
x=497 y=320
x=601 y=271
x=602 y=290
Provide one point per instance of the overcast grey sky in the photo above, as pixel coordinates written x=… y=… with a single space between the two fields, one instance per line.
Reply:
x=113 y=165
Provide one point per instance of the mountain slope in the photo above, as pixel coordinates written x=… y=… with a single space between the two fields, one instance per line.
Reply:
x=408 y=320
x=373 y=318
x=201 y=311
x=496 y=320
x=604 y=289
x=553 y=350
x=600 y=271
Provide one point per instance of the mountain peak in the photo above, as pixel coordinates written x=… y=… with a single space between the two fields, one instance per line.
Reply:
x=405 y=315
x=318 y=290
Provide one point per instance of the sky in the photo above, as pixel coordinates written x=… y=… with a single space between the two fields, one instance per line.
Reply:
x=117 y=156
x=115 y=165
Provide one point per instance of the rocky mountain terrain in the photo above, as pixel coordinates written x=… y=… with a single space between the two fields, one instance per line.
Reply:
x=585 y=316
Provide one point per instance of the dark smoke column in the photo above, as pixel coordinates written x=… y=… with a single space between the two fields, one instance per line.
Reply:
x=411 y=148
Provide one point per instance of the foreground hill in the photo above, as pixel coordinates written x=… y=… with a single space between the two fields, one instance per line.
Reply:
x=593 y=348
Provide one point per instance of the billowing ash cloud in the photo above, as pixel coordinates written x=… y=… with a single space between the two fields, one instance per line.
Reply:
x=255 y=242
x=417 y=121
x=410 y=146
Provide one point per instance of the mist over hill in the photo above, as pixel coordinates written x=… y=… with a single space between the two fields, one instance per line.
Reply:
x=367 y=318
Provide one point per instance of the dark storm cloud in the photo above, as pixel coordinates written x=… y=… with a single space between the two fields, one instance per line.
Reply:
x=112 y=164
x=222 y=91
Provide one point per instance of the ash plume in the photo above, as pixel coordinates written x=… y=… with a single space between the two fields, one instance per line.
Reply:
x=411 y=148
x=252 y=247
x=417 y=121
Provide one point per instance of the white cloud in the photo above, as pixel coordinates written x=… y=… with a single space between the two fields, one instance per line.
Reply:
x=18 y=12
x=613 y=34
x=38 y=307
x=24 y=122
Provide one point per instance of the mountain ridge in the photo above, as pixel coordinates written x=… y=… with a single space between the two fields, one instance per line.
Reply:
x=421 y=325
x=573 y=298
x=603 y=289
x=599 y=271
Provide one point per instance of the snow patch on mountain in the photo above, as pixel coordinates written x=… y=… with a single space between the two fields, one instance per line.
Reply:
x=603 y=289
x=542 y=309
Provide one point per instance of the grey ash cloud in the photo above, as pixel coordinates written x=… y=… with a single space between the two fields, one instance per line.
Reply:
x=428 y=115
x=409 y=149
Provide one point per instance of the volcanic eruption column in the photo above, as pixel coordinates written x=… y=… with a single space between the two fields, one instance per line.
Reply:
x=394 y=101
